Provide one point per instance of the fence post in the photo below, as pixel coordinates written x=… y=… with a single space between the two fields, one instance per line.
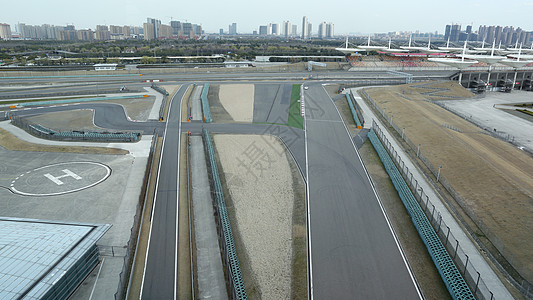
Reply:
x=418 y=150
x=466 y=264
x=403 y=131
x=477 y=282
x=447 y=235
x=438 y=174
x=456 y=246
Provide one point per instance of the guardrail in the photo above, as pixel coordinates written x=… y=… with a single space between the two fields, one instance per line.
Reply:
x=46 y=133
x=205 y=104
x=355 y=113
x=163 y=103
x=231 y=261
x=449 y=272
x=519 y=282
x=159 y=89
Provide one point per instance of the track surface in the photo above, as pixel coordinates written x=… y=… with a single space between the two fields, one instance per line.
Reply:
x=353 y=249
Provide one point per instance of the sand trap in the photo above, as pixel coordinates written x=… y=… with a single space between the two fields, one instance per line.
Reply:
x=260 y=183
x=238 y=101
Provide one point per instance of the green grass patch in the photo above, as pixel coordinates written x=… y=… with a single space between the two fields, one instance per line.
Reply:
x=295 y=118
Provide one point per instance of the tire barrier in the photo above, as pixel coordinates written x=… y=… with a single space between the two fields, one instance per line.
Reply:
x=450 y=274
x=231 y=261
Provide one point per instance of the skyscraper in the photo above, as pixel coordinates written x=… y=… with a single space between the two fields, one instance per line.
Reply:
x=149 y=31
x=5 y=31
x=263 y=30
x=155 y=23
x=233 y=29
x=276 y=29
x=322 y=30
x=305 y=28
x=286 y=29
x=330 y=30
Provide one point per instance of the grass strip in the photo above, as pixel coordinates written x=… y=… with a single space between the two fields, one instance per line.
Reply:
x=295 y=118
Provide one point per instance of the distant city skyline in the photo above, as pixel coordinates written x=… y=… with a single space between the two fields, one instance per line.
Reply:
x=368 y=17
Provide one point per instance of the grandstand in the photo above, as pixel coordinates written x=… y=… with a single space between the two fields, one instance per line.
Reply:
x=388 y=61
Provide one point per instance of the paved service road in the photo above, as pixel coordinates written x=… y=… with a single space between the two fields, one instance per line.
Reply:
x=353 y=252
x=160 y=275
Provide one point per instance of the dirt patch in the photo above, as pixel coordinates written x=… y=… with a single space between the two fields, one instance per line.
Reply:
x=238 y=101
x=10 y=142
x=259 y=181
x=494 y=178
x=424 y=269
x=218 y=112
x=184 y=250
x=81 y=119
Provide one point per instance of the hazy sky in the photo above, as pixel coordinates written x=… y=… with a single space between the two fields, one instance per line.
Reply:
x=351 y=16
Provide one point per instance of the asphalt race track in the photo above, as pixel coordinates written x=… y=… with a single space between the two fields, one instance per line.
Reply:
x=353 y=249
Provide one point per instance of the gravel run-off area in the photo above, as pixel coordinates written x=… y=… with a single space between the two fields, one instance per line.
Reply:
x=238 y=100
x=258 y=177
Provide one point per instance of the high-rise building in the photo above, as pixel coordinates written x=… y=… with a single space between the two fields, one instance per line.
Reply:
x=305 y=28
x=294 y=31
x=149 y=31
x=85 y=35
x=233 y=29
x=126 y=30
x=286 y=29
x=102 y=33
x=276 y=29
x=187 y=30
x=155 y=27
x=263 y=30
x=5 y=31
x=113 y=29
x=322 y=30
x=165 y=31
x=176 y=27
x=330 y=30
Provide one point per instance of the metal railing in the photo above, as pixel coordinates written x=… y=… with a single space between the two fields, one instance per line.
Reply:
x=231 y=261
x=438 y=238
x=519 y=266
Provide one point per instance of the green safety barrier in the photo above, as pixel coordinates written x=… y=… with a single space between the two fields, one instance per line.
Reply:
x=354 y=113
x=87 y=135
x=454 y=281
x=205 y=104
x=233 y=269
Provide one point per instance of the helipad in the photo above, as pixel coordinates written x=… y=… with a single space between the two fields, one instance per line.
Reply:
x=61 y=178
